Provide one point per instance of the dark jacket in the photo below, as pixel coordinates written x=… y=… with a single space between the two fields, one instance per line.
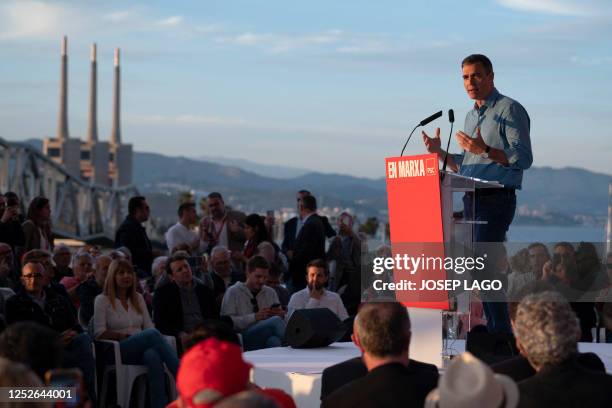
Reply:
x=87 y=292
x=168 y=308
x=348 y=272
x=338 y=375
x=309 y=245
x=11 y=233
x=388 y=386
x=131 y=234
x=289 y=232
x=519 y=369
x=58 y=313
x=566 y=385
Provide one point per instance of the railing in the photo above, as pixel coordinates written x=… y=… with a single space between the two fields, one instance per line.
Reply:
x=80 y=210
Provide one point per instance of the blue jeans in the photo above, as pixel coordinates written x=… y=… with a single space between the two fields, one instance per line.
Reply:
x=264 y=334
x=497 y=209
x=78 y=354
x=150 y=348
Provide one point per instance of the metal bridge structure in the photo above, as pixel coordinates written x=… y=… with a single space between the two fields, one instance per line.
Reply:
x=79 y=209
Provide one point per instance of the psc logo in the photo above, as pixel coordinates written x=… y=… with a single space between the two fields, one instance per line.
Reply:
x=430 y=167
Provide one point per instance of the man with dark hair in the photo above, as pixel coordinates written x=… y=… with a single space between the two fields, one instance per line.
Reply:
x=62 y=257
x=183 y=304
x=293 y=225
x=181 y=233
x=132 y=234
x=538 y=256
x=211 y=328
x=222 y=227
x=314 y=295
x=254 y=308
x=497 y=147
x=309 y=244
x=382 y=332
x=32 y=344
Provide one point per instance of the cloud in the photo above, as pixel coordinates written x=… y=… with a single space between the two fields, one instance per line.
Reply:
x=579 y=8
x=365 y=134
x=35 y=19
x=171 y=21
x=280 y=43
x=592 y=61
x=119 y=16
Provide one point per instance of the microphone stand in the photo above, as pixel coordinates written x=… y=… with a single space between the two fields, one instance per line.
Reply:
x=406 y=144
x=446 y=155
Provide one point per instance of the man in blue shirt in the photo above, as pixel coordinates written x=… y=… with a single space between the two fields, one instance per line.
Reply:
x=496 y=147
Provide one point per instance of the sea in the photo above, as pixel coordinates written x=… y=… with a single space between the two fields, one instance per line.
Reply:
x=532 y=233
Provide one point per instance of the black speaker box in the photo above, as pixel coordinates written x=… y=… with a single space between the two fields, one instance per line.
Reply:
x=310 y=328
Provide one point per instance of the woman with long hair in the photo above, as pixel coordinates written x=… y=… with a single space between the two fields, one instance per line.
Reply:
x=37 y=227
x=120 y=314
x=255 y=232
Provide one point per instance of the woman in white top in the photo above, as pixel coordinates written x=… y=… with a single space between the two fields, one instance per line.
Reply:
x=120 y=314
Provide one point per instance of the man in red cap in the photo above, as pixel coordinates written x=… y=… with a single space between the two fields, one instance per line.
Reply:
x=213 y=370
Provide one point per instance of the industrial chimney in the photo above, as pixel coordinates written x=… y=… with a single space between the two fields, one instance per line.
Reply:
x=92 y=130
x=116 y=130
x=62 y=124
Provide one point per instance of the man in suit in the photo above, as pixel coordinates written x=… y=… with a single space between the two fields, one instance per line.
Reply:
x=132 y=235
x=184 y=303
x=382 y=332
x=547 y=333
x=293 y=225
x=309 y=244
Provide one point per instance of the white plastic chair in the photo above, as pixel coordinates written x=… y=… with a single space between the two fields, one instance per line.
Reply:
x=126 y=375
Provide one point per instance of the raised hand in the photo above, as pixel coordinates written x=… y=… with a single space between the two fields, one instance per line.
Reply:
x=432 y=144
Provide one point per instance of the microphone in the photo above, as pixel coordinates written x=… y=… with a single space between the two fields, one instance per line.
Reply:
x=421 y=123
x=451 y=119
x=430 y=118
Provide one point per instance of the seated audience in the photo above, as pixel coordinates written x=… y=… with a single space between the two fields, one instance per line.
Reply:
x=62 y=256
x=36 y=346
x=255 y=232
x=92 y=287
x=82 y=265
x=34 y=302
x=184 y=303
x=37 y=227
x=181 y=233
x=314 y=295
x=44 y=258
x=538 y=257
x=382 y=333
x=255 y=309
x=158 y=268
x=274 y=281
x=120 y=314
x=547 y=333
x=221 y=275
x=132 y=234
x=468 y=382
x=518 y=367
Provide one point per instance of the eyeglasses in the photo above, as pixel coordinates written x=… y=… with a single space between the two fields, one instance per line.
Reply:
x=32 y=275
x=255 y=305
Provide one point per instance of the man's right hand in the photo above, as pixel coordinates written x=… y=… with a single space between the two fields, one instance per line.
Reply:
x=433 y=144
x=264 y=314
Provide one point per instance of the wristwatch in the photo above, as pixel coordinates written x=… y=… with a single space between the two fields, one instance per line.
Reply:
x=485 y=155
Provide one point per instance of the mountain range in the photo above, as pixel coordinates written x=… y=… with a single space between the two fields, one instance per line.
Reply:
x=567 y=191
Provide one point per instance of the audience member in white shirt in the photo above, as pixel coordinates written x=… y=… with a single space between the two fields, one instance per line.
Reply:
x=120 y=314
x=314 y=295
x=181 y=234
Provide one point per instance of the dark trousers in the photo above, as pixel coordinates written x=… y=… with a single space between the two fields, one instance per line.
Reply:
x=496 y=207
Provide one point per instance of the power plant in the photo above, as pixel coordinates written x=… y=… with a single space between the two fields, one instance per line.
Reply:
x=107 y=163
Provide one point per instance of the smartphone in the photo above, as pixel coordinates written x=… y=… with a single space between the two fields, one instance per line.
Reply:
x=64 y=378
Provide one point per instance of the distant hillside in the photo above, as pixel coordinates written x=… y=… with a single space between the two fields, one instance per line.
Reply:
x=568 y=191
x=266 y=170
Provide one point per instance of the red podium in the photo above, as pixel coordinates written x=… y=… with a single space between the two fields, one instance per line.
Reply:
x=421 y=224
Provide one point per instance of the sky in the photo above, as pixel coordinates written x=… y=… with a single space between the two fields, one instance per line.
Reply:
x=330 y=86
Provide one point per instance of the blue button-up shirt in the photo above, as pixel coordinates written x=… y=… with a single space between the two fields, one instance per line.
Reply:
x=504 y=124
